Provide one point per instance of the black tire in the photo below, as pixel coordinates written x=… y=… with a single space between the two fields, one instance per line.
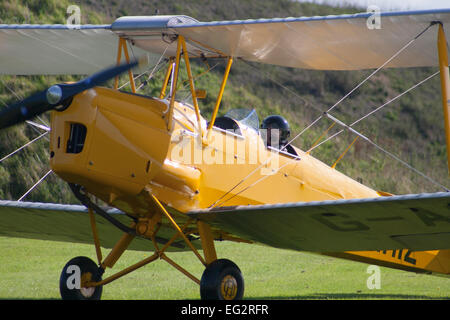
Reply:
x=222 y=280
x=69 y=277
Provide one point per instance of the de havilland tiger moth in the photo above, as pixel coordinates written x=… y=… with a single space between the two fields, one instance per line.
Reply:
x=173 y=180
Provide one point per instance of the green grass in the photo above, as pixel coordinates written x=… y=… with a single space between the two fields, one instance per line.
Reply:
x=30 y=269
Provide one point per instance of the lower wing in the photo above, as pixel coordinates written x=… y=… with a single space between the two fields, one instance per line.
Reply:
x=70 y=223
x=415 y=222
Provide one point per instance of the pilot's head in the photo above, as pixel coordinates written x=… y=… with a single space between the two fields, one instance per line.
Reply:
x=279 y=123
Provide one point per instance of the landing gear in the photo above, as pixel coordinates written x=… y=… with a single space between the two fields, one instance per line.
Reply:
x=222 y=280
x=75 y=273
x=81 y=278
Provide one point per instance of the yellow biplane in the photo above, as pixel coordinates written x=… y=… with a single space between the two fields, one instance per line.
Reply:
x=172 y=180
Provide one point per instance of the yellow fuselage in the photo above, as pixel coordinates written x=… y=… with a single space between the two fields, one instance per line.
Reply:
x=126 y=152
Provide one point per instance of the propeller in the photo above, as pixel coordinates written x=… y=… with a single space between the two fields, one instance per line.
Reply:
x=57 y=95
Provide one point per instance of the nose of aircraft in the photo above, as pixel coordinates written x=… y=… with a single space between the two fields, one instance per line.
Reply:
x=56 y=95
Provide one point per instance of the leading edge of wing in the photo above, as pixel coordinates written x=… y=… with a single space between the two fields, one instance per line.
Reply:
x=416 y=222
x=50 y=206
x=56 y=26
x=361 y=15
x=419 y=196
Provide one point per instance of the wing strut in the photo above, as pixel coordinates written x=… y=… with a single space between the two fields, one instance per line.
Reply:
x=123 y=47
x=445 y=86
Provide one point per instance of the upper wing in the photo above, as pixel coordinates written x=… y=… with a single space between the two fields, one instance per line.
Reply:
x=342 y=42
x=57 y=49
x=417 y=222
x=47 y=221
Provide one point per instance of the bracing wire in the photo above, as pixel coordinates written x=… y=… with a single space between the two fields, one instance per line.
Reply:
x=151 y=73
x=35 y=185
x=326 y=113
x=24 y=146
x=374 y=111
x=385 y=151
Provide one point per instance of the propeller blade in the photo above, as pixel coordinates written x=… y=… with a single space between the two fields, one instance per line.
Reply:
x=54 y=96
x=24 y=110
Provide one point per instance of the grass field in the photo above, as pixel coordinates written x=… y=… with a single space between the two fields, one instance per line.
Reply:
x=30 y=269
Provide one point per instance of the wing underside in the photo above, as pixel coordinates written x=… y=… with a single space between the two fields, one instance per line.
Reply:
x=415 y=222
x=58 y=49
x=343 y=42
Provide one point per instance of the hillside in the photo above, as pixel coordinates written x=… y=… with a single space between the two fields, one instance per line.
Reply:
x=411 y=128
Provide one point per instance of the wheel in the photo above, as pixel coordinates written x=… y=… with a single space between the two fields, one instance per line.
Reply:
x=222 y=280
x=74 y=273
